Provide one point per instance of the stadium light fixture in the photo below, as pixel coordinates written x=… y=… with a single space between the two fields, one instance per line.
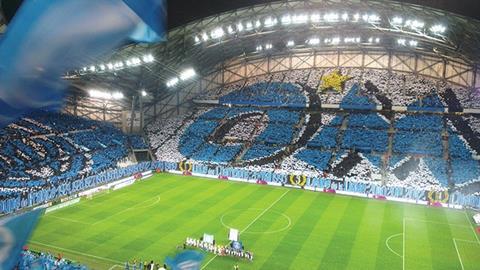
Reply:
x=313 y=41
x=85 y=69
x=377 y=40
x=356 y=17
x=438 y=29
x=204 y=37
x=249 y=26
x=117 y=95
x=331 y=17
x=187 y=74
x=197 y=39
x=105 y=95
x=335 y=41
x=402 y=41
x=268 y=46
x=286 y=20
x=110 y=66
x=258 y=24
x=259 y=48
x=144 y=93
x=172 y=82
x=315 y=18
x=290 y=43
x=414 y=24
x=269 y=22
x=230 y=29
x=239 y=27
x=102 y=67
x=413 y=43
x=397 y=21
x=148 y=58
x=299 y=19
x=345 y=17
x=217 y=33
x=92 y=68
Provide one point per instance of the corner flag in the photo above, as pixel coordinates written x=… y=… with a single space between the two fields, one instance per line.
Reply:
x=14 y=233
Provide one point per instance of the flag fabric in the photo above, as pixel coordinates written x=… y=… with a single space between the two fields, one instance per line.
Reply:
x=14 y=233
x=187 y=260
x=46 y=39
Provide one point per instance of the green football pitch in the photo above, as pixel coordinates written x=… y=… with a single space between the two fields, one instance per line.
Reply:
x=284 y=228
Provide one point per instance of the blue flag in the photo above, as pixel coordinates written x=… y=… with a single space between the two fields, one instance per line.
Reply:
x=187 y=260
x=46 y=39
x=14 y=233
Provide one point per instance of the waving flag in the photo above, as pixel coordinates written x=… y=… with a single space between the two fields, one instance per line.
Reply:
x=47 y=38
x=14 y=232
x=187 y=260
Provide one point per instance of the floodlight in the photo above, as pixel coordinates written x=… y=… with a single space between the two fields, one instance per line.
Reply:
x=269 y=22
x=259 y=48
x=258 y=24
x=345 y=16
x=204 y=36
x=438 y=29
x=313 y=41
x=217 y=33
x=268 y=46
x=335 y=41
x=144 y=93
x=92 y=68
x=239 y=27
x=117 y=95
x=356 y=17
x=230 y=29
x=249 y=26
x=413 y=43
x=299 y=19
x=315 y=18
x=148 y=58
x=102 y=67
x=187 y=74
x=197 y=39
x=286 y=20
x=401 y=41
x=172 y=82
x=290 y=43
x=397 y=21
x=331 y=17
x=110 y=66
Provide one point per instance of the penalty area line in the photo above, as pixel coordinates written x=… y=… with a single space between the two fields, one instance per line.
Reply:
x=251 y=223
x=458 y=253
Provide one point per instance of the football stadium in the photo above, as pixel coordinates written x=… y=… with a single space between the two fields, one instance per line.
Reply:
x=306 y=134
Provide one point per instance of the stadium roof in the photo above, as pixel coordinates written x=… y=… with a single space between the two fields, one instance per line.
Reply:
x=186 y=46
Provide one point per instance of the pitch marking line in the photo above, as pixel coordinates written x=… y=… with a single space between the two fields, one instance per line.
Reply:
x=388 y=246
x=471 y=226
x=70 y=220
x=131 y=208
x=251 y=223
x=75 y=252
x=115 y=266
x=458 y=253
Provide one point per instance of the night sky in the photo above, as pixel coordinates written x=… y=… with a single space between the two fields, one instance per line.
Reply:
x=184 y=11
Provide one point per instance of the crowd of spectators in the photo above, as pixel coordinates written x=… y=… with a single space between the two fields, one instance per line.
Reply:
x=45 y=261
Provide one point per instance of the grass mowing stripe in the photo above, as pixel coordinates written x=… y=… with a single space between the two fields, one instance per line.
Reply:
x=290 y=245
x=391 y=224
x=335 y=257
x=253 y=221
x=257 y=242
x=440 y=238
x=368 y=238
x=181 y=217
x=310 y=246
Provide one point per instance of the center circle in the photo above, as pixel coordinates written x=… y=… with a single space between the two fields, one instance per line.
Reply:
x=228 y=218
